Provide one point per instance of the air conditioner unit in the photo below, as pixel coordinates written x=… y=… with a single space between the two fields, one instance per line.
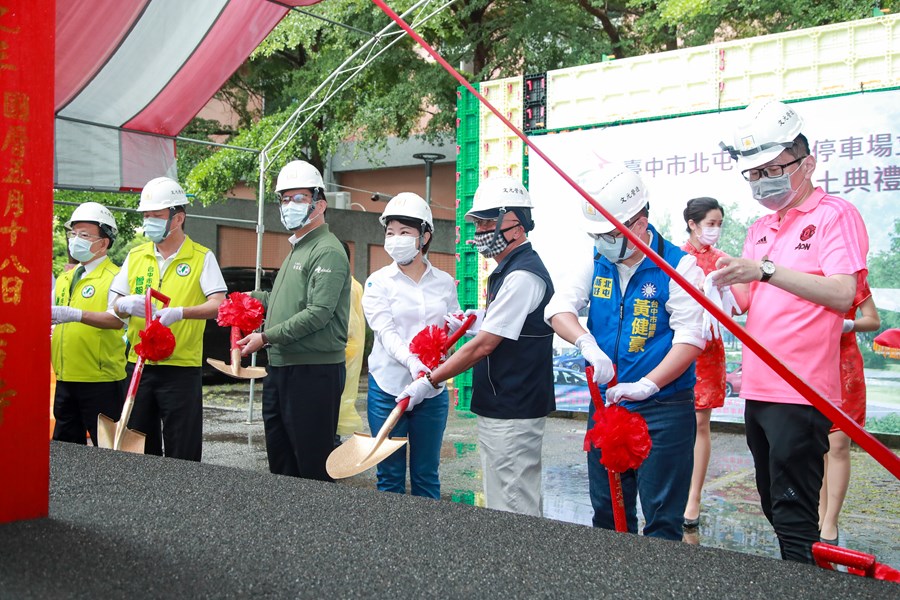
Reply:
x=338 y=199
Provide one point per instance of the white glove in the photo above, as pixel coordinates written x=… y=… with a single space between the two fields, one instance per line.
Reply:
x=848 y=326
x=170 y=315
x=134 y=305
x=416 y=392
x=711 y=327
x=639 y=390
x=455 y=321
x=603 y=367
x=64 y=314
x=416 y=367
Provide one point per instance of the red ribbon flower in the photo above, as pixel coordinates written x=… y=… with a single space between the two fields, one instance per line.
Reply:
x=621 y=436
x=157 y=342
x=429 y=345
x=241 y=311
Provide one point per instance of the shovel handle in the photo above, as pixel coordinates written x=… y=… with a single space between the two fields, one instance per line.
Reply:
x=155 y=295
x=460 y=332
x=235 y=336
x=388 y=426
x=151 y=294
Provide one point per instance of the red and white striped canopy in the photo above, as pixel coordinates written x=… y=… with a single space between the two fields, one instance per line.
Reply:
x=130 y=66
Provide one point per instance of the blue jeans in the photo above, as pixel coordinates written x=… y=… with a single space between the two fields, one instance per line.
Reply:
x=664 y=478
x=424 y=426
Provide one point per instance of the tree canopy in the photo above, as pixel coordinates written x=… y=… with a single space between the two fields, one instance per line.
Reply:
x=403 y=93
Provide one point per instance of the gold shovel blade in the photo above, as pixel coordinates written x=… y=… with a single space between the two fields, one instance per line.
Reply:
x=132 y=441
x=106 y=432
x=238 y=372
x=360 y=453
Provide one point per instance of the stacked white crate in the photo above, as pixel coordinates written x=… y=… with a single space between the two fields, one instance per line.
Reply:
x=821 y=61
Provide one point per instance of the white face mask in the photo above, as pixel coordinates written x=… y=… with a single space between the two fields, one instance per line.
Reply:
x=80 y=249
x=294 y=215
x=402 y=248
x=709 y=236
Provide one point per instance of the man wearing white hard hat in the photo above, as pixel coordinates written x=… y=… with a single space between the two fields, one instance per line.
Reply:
x=169 y=403
x=87 y=350
x=645 y=331
x=307 y=315
x=511 y=351
x=797 y=276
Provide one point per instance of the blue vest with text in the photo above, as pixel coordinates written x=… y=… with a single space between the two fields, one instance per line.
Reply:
x=632 y=325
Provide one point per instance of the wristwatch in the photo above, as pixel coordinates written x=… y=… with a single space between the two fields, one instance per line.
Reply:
x=768 y=269
x=265 y=340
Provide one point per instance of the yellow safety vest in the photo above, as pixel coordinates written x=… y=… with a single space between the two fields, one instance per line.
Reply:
x=81 y=353
x=181 y=283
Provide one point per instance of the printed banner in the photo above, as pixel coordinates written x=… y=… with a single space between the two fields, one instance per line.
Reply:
x=856 y=140
x=26 y=176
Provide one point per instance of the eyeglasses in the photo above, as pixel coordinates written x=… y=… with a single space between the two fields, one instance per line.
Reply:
x=303 y=198
x=492 y=223
x=771 y=171
x=82 y=234
x=610 y=238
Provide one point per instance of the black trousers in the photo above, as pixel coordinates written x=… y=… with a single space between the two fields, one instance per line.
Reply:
x=300 y=410
x=788 y=443
x=168 y=409
x=77 y=404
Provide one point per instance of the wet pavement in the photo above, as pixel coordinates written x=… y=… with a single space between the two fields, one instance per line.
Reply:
x=730 y=519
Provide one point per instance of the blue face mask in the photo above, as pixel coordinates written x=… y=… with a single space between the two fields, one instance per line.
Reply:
x=613 y=252
x=156 y=229
x=80 y=249
x=294 y=215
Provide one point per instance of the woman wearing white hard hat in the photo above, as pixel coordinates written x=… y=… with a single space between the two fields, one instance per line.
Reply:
x=400 y=300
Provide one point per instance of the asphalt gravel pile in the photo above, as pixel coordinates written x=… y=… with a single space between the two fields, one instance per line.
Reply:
x=123 y=525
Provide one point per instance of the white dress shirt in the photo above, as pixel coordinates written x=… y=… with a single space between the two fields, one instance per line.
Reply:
x=397 y=308
x=685 y=313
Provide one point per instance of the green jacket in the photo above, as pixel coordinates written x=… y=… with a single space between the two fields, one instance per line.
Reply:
x=308 y=309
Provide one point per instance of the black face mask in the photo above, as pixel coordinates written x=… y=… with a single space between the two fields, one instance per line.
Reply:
x=491 y=243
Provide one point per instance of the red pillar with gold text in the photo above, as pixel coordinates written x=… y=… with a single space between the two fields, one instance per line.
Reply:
x=26 y=211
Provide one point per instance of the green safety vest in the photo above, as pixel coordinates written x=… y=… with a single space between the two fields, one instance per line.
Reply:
x=181 y=283
x=79 y=352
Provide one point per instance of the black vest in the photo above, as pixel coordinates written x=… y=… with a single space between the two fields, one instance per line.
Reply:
x=516 y=380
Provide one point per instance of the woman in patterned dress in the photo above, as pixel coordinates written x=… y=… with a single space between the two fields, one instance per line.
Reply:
x=853 y=402
x=704 y=217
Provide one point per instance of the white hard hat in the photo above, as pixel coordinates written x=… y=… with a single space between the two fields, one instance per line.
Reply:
x=765 y=129
x=616 y=188
x=494 y=193
x=298 y=174
x=409 y=205
x=160 y=193
x=93 y=212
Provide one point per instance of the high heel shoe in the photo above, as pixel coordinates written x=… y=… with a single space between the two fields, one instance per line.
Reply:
x=833 y=542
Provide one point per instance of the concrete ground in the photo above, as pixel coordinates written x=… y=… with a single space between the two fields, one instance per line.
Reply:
x=731 y=517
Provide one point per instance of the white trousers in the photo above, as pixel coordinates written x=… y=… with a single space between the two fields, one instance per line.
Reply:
x=510 y=452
